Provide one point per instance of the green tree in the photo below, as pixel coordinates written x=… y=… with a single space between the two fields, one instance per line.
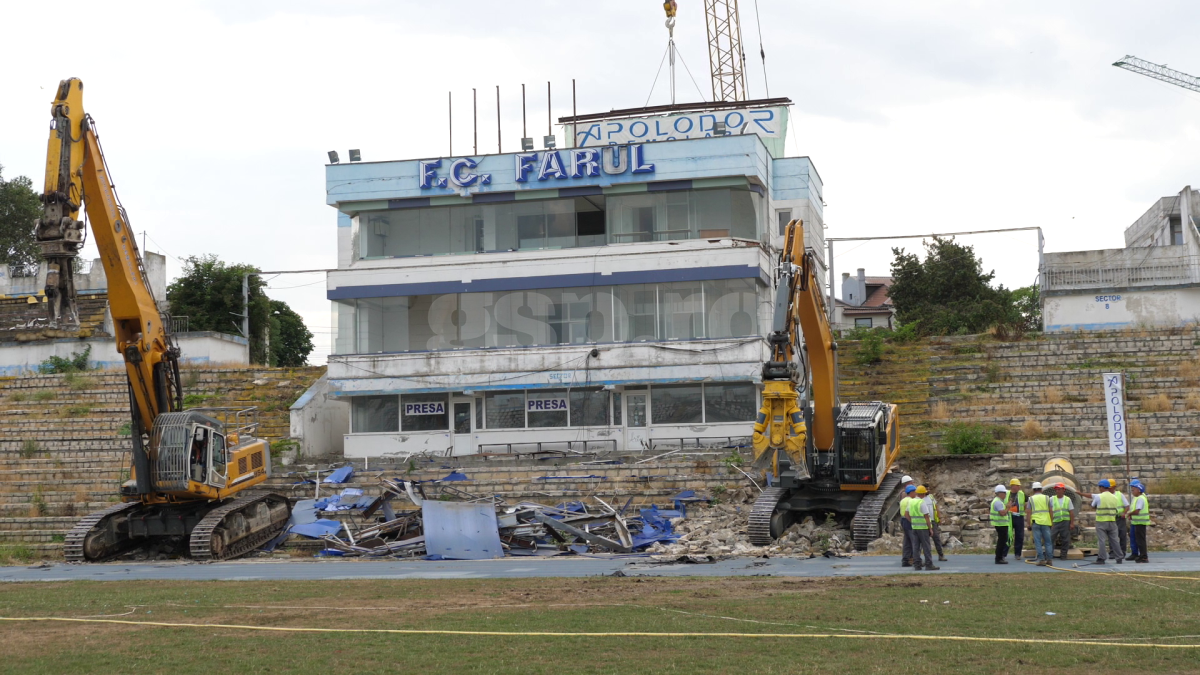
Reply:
x=291 y=341
x=209 y=293
x=1027 y=308
x=948 y=292
x=20 y=207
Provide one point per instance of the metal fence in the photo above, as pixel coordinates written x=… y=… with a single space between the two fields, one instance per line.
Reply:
x=1123 y=273
x=700 y=443
x=534 y=447
x=179 y=324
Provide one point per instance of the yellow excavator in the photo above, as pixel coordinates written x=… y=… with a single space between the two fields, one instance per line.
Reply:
x=822 y=455
x=190 y=468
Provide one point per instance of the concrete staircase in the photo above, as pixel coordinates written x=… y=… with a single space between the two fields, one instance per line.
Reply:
x=19 y=311
x=64 y=439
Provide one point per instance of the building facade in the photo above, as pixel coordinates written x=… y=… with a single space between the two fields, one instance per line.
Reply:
x=610 y=298
x=864 y=302
x=1153 y=281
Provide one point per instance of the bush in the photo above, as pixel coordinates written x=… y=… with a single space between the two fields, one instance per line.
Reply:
x=78 y=363
x=963 y=438
x=906 y=333
x=870 y=349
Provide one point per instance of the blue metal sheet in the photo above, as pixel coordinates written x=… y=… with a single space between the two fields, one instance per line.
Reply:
x=461 y=530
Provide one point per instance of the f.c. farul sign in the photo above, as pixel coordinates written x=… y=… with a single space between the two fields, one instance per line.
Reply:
x=548 y=165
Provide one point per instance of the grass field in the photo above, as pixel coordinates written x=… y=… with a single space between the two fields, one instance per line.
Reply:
x=1087 y=607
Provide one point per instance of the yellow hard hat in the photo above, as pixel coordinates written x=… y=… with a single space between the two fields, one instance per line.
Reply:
x=1014 y=482
x=921 y=490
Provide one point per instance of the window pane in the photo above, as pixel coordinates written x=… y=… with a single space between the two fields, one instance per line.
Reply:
x=636 y=312
x=730 y=403
x=631 y=217
x=505 y=410
x=395 y=324
x=372 y=414
x=637 y=408
x=783 y=216
x=744 y=206
x=435 y=231
x=589 y=408
x=681 y=311
x=547 y=408
x=466 y=229
x=712 y=211
x=677 y=221
x=560 y=223
x=589 y=221
x=344 y=319
x=616 y=407
x=531 y=224
x=370 y=325
x=731 y=308
x=863 y=322
x=676 y=404
x=424 y=412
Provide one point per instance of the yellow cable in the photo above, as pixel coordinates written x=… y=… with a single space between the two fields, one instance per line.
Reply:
x=498 y=633
x=1116 y=573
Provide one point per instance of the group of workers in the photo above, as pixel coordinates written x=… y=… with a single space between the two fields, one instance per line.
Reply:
x=1120 y=523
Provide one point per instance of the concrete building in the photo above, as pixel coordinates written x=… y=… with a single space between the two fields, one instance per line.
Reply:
x=864 y=302
x=610 y=296
x=1153 y=281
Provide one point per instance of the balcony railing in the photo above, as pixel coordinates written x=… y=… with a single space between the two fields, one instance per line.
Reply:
x=1121 y=273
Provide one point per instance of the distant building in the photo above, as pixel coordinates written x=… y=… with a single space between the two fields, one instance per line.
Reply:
x=1153 y=281
x=864 y=302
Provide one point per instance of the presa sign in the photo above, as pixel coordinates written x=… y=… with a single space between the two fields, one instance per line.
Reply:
x=546 y=404
x=435 y=408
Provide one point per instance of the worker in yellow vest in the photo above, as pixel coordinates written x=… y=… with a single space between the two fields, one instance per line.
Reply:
x=1001 y=520
x=1122 y=523
x=1139 y=519
x=1062 y=514
x=1038 y=515
x=920 y=513
x=935 y=531
x=1107 y=504
x=1016 y=508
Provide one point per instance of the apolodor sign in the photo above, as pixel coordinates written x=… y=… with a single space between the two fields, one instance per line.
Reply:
x=769 y=123
x=1114 y=402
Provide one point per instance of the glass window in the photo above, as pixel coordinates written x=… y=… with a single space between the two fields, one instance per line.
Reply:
x=713 y=213
x=632 y=217
x=424 y=412
x=374 y=414
x=783 y=217
x=636 y=405
x=744 y=207
x=462 y=417
x=863 y=322
x=729 y=403
x=589 y=221
x=681 y=311
x=616 y=408
x=731 y=308
x=589 y=408
x=505 y=410
x=676 y=404
x=636 y=312
x=344 y=319
x=547 y=408
x=478 y=412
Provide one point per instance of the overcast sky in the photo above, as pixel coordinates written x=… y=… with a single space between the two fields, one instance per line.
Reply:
x=920 y=116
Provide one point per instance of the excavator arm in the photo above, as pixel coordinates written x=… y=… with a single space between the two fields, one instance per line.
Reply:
x=799 y=315
x=77 y=176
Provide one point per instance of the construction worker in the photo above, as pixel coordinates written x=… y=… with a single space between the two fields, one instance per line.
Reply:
x=1002 y=521
x=1139 y=519
x=935 y=532
x=1134 y=552
x=1016 y=507
x=906 y=551
x=1122 y=523
x=1038 y=516
x=1107 y=505
x=920 y=513
x=1062 y=515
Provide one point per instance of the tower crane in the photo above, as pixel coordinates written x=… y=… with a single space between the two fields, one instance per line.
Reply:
x=1159 y=72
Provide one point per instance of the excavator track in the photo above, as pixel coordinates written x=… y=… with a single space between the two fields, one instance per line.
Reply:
x=761 y=514
x=238 y=527
x=93 y=523
x=868 y=521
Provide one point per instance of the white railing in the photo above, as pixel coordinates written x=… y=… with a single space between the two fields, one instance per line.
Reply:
x=1121 y=273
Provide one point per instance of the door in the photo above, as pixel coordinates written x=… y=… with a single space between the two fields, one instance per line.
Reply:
x=636 y=408
x=462 y=426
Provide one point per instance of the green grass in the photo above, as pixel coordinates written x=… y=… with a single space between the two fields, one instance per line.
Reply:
x=78 y=411
x=44 y=395
x=1009 y=605
x=30 y=448
x=195 y=400
x=1177 y=484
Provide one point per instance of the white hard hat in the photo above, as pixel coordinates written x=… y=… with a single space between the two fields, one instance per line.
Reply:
x=1001 y=488
x=1037 y=485
x=906 y=479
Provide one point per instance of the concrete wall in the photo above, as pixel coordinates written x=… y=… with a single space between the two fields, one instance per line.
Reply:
x=442 y=442
x=19 y=358
x=94 y=279
x=319 y=421
x=1105 y=310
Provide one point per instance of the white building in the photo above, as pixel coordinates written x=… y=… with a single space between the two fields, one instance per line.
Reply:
x=612 y=296
x=1153 y=281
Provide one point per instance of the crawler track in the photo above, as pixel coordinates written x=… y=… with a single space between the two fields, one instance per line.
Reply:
x=761 y=513
x=73 y=545
x=874 y=511
x=211 y=538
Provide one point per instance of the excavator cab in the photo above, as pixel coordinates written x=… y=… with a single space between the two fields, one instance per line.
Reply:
x=866 y=440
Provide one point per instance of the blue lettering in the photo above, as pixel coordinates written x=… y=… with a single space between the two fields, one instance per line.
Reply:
x=591 y=132
x=551 y=166
x=619 y=128
x=525 y=164
x=712 y=122
x=639 y=161
x=689 y=121
x=585 y=163
x=429 y=175
x=614 y=162
x=460 y=179
x=759 y=118
x=645 y=129
x=658 y=128
x=730 y=126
